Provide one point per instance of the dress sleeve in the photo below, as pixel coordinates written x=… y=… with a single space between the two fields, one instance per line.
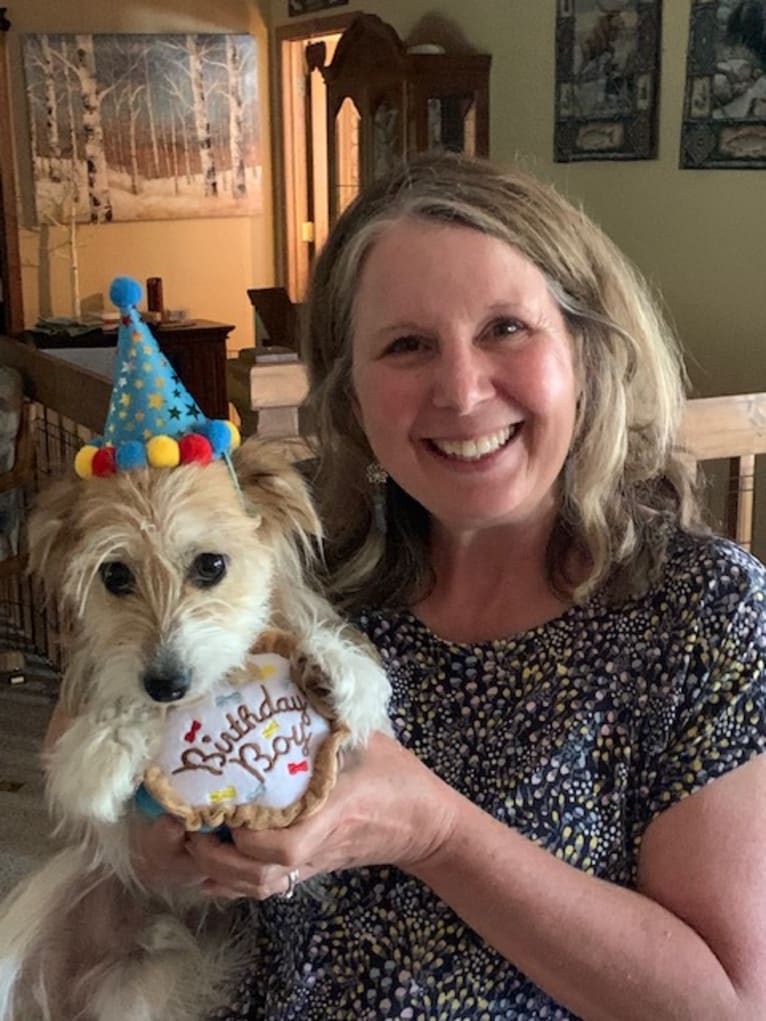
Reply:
x=715 y=718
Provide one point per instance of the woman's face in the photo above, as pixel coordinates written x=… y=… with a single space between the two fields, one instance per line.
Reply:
x=464 y=374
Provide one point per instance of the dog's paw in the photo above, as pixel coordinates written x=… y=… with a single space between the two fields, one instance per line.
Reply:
x=311 y=678
x=340 y=676
x=95 y=767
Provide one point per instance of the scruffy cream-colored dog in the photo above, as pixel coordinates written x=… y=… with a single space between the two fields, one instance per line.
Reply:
x=171 y=577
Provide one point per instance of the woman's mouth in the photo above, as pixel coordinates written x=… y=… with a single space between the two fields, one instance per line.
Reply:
x=478 y=447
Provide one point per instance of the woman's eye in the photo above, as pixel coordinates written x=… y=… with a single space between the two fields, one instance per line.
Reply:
x=506 y=328
x=117 y=578
x=207 y=569
x=404 y=345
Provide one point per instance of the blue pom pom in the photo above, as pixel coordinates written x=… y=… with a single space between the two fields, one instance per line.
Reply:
x=125 y=292
x=219 y=434
x=131 y=455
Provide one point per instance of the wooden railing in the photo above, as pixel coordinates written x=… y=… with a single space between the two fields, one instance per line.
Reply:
x=70 y=390
x=731 y=429
x=65 y=405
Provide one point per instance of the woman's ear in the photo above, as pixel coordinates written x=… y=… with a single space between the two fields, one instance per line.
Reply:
x=274 y=489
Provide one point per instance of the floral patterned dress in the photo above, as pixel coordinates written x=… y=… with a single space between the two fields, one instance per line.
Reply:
x=577 y=734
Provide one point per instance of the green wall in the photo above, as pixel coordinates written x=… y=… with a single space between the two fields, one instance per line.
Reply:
x=698 y=235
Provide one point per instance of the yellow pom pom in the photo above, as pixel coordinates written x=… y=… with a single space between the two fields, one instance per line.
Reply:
x=163 y=452
x=236 y=439
x=83 y=462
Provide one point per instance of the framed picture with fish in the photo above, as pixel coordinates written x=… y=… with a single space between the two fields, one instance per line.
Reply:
x=724 y=124
x=607 y=79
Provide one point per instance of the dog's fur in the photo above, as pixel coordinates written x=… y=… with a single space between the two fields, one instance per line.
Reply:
x=83 y=938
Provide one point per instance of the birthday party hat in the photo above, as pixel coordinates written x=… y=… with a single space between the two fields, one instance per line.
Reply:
x=153 y=421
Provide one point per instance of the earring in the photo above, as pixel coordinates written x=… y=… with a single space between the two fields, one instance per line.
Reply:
x=376 y=474
x=377 y=477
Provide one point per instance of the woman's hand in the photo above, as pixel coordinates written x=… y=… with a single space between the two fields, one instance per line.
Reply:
x=159 y=852
x=387 y=808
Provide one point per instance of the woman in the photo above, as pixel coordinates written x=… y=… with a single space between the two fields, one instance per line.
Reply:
x=571 y=822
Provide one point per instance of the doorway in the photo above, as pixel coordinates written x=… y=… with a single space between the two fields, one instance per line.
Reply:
x=303 y=102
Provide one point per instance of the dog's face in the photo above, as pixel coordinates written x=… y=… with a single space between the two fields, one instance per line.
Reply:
x=168 y=574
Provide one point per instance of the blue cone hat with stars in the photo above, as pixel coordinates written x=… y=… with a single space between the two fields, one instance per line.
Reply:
x=153 y=421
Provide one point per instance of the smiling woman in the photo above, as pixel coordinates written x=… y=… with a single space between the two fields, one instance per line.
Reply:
x=578 y=670
x=495 y=304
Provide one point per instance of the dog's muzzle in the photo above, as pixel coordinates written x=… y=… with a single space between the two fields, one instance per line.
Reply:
x=165 y=686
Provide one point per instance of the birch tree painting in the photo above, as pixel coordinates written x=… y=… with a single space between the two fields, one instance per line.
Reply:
x=143 y=127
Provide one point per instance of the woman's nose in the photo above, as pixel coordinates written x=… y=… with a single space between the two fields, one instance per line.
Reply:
x=462 y=380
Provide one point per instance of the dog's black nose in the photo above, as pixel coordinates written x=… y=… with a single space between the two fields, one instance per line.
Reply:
x=166 y=687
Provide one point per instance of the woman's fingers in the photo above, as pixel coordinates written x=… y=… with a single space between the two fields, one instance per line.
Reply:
x=234 y=874
x=160 y=854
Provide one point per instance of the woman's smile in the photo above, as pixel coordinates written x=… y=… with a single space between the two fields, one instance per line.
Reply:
x=478 y=449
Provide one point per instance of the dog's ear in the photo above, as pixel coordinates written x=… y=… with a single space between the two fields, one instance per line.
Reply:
x=275 y=490
x=51 y=529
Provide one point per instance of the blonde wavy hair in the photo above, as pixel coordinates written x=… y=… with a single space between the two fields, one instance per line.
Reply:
x=624 y=485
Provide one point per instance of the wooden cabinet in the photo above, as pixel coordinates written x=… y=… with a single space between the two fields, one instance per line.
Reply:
x=197 y=352
x=384 y=101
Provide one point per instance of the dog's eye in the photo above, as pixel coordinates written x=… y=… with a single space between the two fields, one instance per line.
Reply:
x=208 y=569
x=117 y=578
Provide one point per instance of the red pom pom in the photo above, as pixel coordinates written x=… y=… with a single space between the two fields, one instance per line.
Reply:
x=195 y=448
x=103 y=462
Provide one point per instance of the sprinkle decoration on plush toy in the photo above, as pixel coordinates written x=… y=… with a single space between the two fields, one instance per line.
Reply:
x=153 y=422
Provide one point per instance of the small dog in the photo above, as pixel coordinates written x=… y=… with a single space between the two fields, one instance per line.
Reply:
x=170 y=577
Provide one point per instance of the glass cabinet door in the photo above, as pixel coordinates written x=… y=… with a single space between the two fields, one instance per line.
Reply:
x=451 y=123
x=386 y=137
x=347 y=148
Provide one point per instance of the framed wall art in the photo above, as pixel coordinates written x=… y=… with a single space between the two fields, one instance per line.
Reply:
x=296 y=7
x=607 y=79
x=143 y=127
x=724 y=124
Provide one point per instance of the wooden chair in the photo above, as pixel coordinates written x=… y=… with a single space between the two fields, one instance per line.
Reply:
x=278 y=317
x=731 y=429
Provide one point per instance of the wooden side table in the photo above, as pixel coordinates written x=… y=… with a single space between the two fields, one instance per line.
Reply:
x=196 y=350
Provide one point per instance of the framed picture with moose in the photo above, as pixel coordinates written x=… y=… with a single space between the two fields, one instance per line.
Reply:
x=607 y=79
x=724 y=123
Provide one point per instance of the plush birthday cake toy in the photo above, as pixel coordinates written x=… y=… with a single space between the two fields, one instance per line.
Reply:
x=258 y=751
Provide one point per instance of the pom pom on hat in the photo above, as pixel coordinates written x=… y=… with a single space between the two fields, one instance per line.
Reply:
x=103 y=463
x=163 y=452
x=195 y=449
x=221 y=436
x=131 y=455
x=125 y=292
x=83 y=462
x=236 y=439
